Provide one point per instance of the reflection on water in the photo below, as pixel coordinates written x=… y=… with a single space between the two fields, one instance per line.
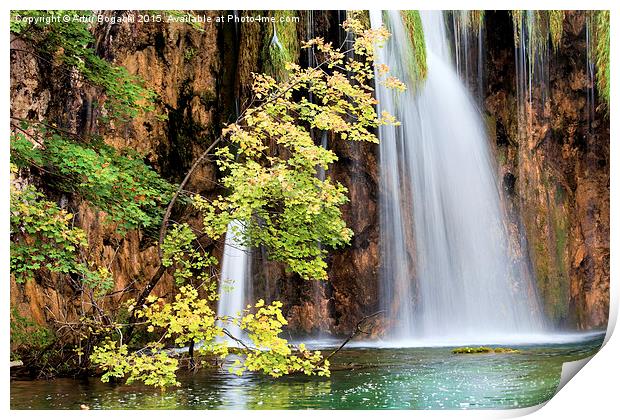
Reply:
x=412 y=378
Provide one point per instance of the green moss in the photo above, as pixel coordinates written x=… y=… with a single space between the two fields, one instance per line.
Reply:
x=413 y=24
x=517 y=24
x=561 y=238
x=548 y=239
x=544 y=266
x=281 y=44
x=556 y=26
x=602 y=53
x=501 y=156
x=476 y=19
x=480 y=350
x=540 y=28
x=560 y=230
x=473 y=19
x=189 y=53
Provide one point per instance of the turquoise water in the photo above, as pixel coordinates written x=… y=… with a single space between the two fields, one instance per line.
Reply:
x=362 y=378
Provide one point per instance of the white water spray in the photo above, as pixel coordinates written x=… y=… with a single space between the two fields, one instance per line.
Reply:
x=447 y=270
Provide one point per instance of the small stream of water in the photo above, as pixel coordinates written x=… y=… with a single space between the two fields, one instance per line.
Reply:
x=233 y=278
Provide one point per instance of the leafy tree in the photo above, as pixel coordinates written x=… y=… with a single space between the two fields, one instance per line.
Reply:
x=47 y=160
x=43 y=239
x=179 y=252
x=190 y=319
x=280 y=201
x=116 y=182
x=282 y=206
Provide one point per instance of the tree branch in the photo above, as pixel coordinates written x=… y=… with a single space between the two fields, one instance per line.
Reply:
x=142 y=298
x=355 y=332
x=166 y=218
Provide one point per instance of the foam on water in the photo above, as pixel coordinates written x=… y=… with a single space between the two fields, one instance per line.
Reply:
x=513 y=340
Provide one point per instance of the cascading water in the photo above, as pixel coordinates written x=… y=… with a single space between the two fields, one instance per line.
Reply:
x=233 y=278
x=447 y=269
x=235 y=259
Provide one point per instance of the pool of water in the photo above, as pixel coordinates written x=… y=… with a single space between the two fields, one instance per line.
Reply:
x=362 y=378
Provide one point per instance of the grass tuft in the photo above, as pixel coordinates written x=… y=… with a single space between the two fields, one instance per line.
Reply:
x=602 y=53
x=413 y=24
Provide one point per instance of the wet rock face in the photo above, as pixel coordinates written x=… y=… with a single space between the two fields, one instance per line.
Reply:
x=30 y=95
x=354 y=271
x=186 y=69
x=352 y=290
x=554 y=170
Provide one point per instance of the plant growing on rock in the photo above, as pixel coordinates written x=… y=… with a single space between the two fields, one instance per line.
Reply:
x=601 y=49
x=70 y=43
x=53 y=168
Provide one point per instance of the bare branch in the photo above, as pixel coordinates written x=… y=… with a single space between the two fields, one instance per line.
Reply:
x=355 y=332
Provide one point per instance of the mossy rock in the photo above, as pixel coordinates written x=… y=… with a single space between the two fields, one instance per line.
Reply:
x=505 y=350
x=471 y=350
x=281 y=44
x=413 y=24
x=479 y=350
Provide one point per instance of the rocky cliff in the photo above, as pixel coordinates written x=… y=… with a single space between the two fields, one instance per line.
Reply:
x=555 y=171
x=552 y=147
x=190 y=71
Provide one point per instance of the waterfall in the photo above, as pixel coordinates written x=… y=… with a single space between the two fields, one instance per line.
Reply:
x=448 y=273
x=233 y=278
x=317 y=286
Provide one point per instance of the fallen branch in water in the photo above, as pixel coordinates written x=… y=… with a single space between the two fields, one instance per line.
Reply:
x=355 y=332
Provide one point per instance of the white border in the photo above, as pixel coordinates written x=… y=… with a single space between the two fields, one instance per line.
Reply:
x=592 y=395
